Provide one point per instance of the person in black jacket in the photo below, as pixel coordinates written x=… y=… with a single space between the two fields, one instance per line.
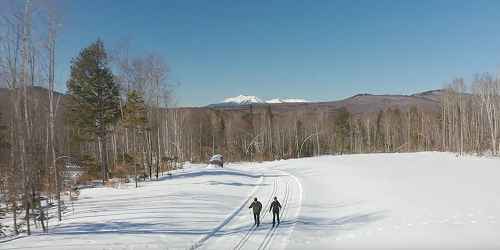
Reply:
x=275 y=206
x=257 y=206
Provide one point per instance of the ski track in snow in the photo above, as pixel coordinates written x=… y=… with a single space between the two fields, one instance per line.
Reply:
x=245 y=238
x=228 y=219
x=240 y=232
x=269 y=236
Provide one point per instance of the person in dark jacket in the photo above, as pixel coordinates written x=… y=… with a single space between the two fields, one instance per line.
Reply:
x=275 y=206
x=256 y=206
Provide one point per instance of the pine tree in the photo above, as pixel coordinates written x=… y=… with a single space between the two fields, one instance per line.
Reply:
x=134 y=118
x=3 y=137
x=2 y=128
x=95 y=100
x=342 y=128
x=135 y=111
x=379 y=132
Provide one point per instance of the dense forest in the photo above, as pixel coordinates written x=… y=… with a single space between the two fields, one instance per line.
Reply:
x=118 y=120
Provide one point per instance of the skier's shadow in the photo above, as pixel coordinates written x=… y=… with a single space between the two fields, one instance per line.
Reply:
x=243 y=229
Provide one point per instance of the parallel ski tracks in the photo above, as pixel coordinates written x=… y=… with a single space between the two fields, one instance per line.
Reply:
x=283 y=185
x=251 y=230
x=271 y=233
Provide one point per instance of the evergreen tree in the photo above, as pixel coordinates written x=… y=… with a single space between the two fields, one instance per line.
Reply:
x=2 y=128
x=379 y=132
x=94 y=105
x=135 y=111
x=3 y=135
x=412 y=126
x=3 y=140
x=342 y=129
x=134 y=118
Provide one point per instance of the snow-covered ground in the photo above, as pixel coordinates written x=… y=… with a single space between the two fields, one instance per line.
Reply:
x=387 y=201
x=417 y=200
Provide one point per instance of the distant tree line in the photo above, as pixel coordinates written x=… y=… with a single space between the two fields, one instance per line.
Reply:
x=260 y=134
x=470 y=116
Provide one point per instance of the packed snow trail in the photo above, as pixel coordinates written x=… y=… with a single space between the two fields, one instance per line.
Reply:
x=228 y=219
x=240 y=232
x=175 y=212
x=269 y=235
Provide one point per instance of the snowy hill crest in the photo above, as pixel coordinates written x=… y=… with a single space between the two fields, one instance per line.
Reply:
x=244 y=99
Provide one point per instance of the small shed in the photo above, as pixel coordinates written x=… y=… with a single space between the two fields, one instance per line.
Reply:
x=217 y=160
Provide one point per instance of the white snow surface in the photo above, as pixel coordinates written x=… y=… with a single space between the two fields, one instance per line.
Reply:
x=370 y=201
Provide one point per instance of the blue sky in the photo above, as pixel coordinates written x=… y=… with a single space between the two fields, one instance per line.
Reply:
x=316 y=50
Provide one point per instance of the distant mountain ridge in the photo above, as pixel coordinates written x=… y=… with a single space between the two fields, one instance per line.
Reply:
x=248 y=99
x=357 y=104
x=363 y=102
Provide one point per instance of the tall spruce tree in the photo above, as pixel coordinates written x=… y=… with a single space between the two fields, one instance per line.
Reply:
x=95 y=97
x=3 y=136
x=134 y=118
x=135 y=111
x=342 y=129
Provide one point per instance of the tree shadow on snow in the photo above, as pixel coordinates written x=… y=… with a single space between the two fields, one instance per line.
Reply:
x=214 y=172
x=211 y=172
x=126 y=228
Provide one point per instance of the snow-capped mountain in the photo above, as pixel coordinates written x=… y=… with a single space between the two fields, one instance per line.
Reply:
x=244 y=100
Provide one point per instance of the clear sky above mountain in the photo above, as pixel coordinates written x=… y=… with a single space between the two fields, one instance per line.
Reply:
x=315 y=50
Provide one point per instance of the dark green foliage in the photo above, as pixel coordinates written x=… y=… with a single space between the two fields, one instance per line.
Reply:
x=128 y=159
x=220 y=132
x=94 y=94
x=379 y=131
x=3 y=135
x=342 y=129
x=89 y=163
x=94 y=98
x=413 y=116
x=134 y=113
x=2 y=129
x=4 y=145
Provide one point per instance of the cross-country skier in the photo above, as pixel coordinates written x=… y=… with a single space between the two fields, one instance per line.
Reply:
x=257 y=206
x=275 y=206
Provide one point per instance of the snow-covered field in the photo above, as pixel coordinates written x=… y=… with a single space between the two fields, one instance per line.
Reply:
x=417 y=200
